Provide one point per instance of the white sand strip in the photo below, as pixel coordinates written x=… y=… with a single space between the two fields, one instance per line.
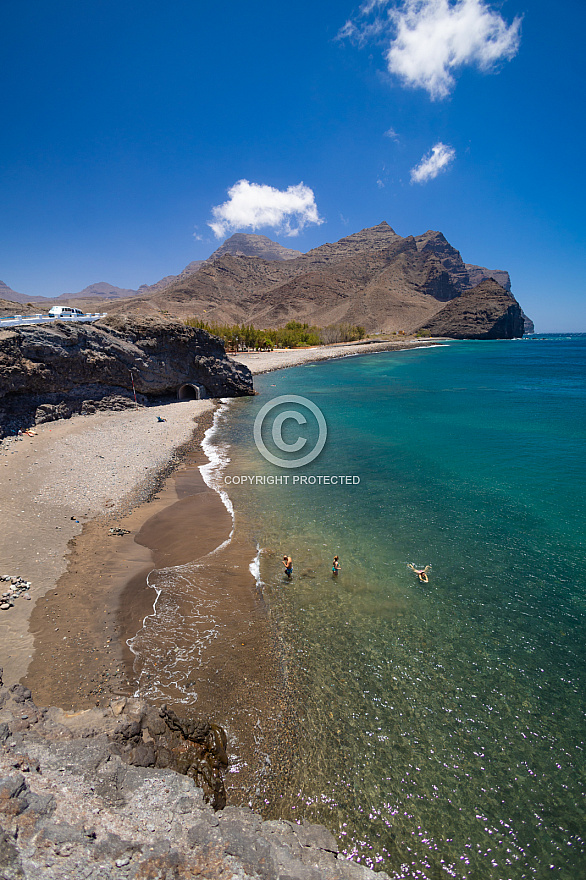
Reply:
x=267 y=361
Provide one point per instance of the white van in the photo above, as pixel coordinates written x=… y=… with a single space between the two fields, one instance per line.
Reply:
x=65 y=312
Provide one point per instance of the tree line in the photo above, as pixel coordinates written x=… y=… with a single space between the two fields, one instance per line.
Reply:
x=239 y=337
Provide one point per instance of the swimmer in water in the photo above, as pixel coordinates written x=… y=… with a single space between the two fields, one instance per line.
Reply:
x=421 y=572
x=335 y=566
x=288 y=563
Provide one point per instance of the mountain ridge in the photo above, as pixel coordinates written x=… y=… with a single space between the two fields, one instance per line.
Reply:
x=374 y=277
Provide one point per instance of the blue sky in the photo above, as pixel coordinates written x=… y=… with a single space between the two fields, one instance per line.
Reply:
x=125 y=125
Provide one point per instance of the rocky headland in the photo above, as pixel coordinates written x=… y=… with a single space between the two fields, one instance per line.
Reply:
x=488 y=311
x=133 y=791
x=51 y=371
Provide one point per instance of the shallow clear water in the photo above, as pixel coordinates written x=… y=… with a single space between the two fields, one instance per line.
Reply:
x=440 y=727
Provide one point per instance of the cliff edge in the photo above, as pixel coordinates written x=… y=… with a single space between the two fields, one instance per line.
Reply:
x=488 y=311
x=50 y=371
x=81 y=796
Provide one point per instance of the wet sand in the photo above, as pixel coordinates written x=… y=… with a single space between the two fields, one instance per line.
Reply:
x=63 y=490
x=60 y=492
x=78 y=627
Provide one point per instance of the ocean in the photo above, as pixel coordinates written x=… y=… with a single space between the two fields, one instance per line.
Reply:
x=438 y=727
x=441 y=725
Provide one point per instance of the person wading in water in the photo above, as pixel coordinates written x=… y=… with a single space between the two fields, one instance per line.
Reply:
x=288 y=563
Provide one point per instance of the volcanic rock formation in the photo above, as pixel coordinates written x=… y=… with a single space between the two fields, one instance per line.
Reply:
x=480 y=273
x=243 y=245
x=7 y=293
x=96 y=795
x=50 y=371
x=488 y=311
x=373 y=277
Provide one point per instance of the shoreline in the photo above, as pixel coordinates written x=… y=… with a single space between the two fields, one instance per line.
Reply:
x=76 y=475
x=281 y=358
x=102 y=599
x=70 y=647
x=43 y=478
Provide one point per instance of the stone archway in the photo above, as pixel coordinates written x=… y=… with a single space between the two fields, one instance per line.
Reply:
x=191 y=391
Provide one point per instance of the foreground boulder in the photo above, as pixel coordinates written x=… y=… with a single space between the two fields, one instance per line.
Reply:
x=488 y=311
x=50 y=371
x=81 y=796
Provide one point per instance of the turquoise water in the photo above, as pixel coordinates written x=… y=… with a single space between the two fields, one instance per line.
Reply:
x=439 y=727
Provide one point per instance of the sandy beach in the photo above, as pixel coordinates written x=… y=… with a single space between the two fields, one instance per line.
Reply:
x=267 y=361
x=60 y=482
x=63 y=490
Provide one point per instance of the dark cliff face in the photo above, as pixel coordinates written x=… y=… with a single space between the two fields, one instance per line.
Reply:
x=486 y=312
x=435 y=243
x=480 y=273
x=528 y=325
x=502 y=277
x=52 y=370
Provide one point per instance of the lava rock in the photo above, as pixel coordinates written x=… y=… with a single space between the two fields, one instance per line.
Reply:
x=50 y=371
x=486 y=312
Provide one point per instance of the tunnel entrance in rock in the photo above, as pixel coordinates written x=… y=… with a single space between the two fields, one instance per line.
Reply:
x=190 y=391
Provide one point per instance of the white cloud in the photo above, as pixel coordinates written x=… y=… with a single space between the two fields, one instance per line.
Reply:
x=256 y=206
x=392 y=134
x=438 y=160
x=428 y=40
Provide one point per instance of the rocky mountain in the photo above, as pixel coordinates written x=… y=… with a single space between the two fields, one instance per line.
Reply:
x=7 y=293
x=100 y=289
x=238 y=245
x=373 y=277
x=50 y=371
x=146 y=289
x=242 y=245
x=479 y=273
x=373 y=239
x=488 y=311
x=437 y=244
x=528 y=325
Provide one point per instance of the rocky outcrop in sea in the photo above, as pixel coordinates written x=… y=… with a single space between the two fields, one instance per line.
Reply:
x=50 y=371
x=93 y=795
